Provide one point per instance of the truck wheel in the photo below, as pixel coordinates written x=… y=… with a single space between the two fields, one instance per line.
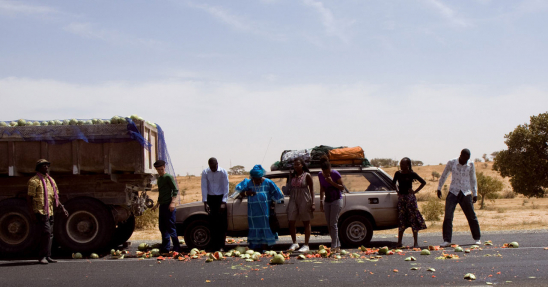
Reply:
x=17 y=232
x=355 y=231
x=124 y=231
x=198 y=234
x=88 y=227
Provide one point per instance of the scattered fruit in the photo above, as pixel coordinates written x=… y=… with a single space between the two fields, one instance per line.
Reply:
x=77 y=255
x=470 y=276
x=94 y=256
x=425 y=252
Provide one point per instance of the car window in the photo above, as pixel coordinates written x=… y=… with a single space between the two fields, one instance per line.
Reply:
x=360 y=182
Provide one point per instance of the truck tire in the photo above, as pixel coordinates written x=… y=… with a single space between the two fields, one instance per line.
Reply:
x=198 y=234
x=123 y=232
x=18 y=233
x=355 y=231
x=89 y=226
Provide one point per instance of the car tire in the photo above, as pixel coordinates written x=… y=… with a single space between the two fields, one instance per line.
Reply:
x=198 y=234
x=123 y=232
x=18 y=233
x=88 y=228
x=355 y=231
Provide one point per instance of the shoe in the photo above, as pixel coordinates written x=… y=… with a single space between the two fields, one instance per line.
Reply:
x=478 y=242
x=293 y=247
x=43 y=261
x=51 y=260
x=303 y=249
x=445 y=244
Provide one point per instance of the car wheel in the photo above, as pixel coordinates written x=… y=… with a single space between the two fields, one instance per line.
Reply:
x=198 y=234
x=355 y=231
x=18 y=233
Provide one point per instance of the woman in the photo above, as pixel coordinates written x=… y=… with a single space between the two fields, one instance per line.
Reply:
x=331 y=185
x=301 y=203
x=260 y=193
x=408 y=210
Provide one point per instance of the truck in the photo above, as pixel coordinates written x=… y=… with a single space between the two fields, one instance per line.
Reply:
x=103 y=172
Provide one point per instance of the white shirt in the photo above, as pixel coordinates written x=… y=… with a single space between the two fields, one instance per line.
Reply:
x=214 y=183
x=463 y=178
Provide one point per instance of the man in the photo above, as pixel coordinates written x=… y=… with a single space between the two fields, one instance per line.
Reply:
x=167 y=196
x=41 y=194
x=214 y=196
x=464 y=191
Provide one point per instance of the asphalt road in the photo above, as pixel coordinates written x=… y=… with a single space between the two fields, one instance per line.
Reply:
x=523 y=266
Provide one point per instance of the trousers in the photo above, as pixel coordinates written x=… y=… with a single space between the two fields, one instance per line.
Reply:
x=467 y=206
x=332 y=211
x=45 y=231
x=166 y=222
x=217 y=221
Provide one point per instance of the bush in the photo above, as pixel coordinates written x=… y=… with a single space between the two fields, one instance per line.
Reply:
x=424 y=196
x=433 y=209
x=148 y=220
x=231 y=188
x=508 y=194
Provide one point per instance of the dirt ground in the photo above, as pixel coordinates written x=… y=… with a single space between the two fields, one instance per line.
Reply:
x=517 y=213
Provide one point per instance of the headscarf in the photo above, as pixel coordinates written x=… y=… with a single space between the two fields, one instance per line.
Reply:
x=257 y=172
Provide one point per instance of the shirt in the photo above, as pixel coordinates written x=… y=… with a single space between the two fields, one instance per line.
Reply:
x=36 y=191
x=463 y=178
x=214 y=183
x=167 y=188
x=405 y=181
x=331 y=193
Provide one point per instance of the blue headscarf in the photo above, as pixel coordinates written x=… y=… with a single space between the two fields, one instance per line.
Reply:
x=257 y=172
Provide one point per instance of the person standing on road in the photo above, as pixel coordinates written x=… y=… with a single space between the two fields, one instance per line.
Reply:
x=408 y=210
x=301 y=203
x=463 y=191
x=167 y=196
x=41 y=196
x=260 y=193
x=214 y=196
x=331 y=185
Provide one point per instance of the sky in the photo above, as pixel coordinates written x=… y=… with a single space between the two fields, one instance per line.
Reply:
x=244 y=80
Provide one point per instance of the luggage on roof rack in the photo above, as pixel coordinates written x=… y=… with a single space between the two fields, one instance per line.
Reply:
x=338 y=157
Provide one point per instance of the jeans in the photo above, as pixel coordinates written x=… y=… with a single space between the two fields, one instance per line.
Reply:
x=45 y=231
x=467 y=206
x=167 y=228
x=332 y=210
x=217 y=221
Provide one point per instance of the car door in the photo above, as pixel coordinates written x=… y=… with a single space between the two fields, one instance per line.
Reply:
x=367 y=190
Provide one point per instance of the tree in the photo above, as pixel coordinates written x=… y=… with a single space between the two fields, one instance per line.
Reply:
x=494 y=154
x=487 y=185
x=486 y=158
x=477 y=160
x=384 y=162
x=236 y=170
x=417 y=163
x=435 y=175
x=526 y=159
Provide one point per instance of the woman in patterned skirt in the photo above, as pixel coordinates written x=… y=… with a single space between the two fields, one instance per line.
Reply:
x=408 y=210
x=260 y=193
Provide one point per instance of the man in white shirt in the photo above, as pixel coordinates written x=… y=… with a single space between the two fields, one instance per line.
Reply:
x=214 y=196
x=464 y=191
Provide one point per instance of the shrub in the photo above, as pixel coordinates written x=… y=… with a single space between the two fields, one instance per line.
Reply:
x=424 y=196
x=509 y=194
x=148 y=220
x=231 y=188
x=501 y=210
x=435 y=175
x=433 y=209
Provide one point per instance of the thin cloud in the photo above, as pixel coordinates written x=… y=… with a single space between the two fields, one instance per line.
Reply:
x=16 y=7
x=449 y=14
x=90 y=31
x=333 y=26
x=237 y=22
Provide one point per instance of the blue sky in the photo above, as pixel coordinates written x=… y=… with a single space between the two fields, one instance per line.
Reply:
x=417 y=78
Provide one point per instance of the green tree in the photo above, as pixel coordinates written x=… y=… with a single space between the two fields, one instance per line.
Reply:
x=236 y=170
x=487 y=185
x=526 y=159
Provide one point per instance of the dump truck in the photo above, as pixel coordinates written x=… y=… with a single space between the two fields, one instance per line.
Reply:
x=103 y=172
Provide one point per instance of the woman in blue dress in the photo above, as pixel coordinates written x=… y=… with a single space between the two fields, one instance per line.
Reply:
x=260 y=193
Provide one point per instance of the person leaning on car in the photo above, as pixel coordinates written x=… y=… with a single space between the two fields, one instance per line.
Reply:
x=214 y=196
x=41 y=195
